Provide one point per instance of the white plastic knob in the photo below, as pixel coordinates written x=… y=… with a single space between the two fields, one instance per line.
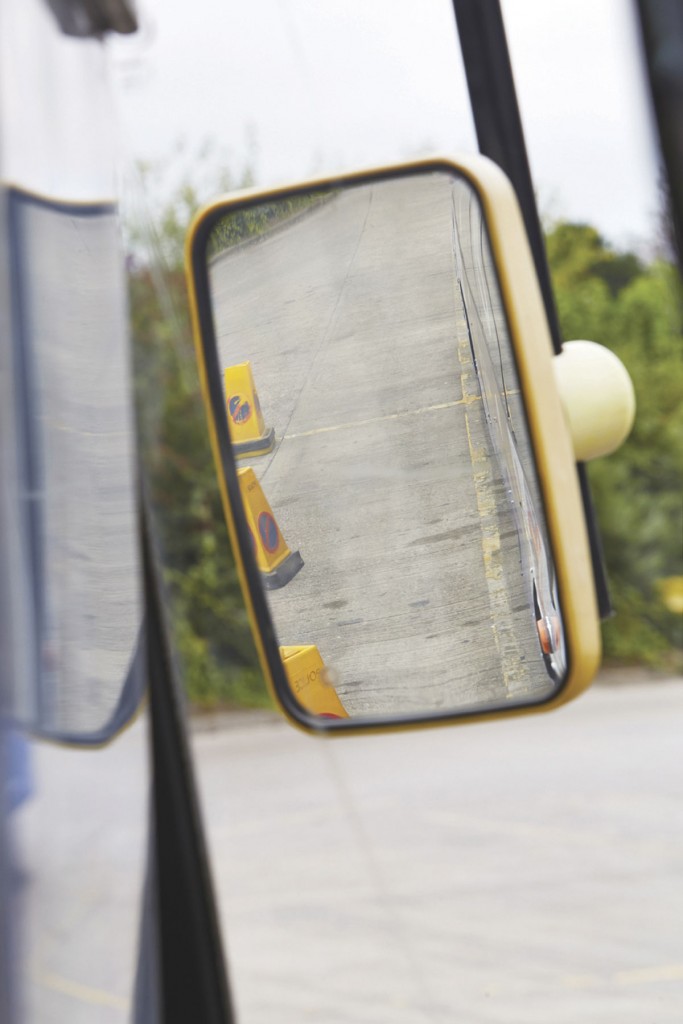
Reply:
x=597 y=397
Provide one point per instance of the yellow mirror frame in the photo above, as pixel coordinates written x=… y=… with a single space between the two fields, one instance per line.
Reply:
x=548 y=430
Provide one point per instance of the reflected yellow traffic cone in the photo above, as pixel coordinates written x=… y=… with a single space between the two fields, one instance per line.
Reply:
x=278 y=565
x=247 y=426
x=307 y=678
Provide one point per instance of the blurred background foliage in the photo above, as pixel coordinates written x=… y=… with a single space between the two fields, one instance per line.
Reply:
x=214 y=648
x=632 y=306
x=635 y=309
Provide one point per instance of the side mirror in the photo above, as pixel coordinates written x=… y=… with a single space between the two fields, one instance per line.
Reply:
x=397 y=474
x=71 y=608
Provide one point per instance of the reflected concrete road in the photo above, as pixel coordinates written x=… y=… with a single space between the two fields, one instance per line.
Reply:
x=525 y=871
x=383 y=474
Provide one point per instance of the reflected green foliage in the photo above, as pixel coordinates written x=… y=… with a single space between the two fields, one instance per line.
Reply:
x=637 y=311
x=210 y=627
x=243 y=225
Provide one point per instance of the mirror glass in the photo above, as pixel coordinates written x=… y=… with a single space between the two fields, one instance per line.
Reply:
x=70 y=589
x=383 y=454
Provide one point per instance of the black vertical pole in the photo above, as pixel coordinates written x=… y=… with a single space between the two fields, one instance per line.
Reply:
x=190 y=962
x=661 y=32
x=498 y=123
x=500 y=136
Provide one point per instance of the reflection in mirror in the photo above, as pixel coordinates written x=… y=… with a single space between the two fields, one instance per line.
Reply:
x=69 y=579
x=385 y=465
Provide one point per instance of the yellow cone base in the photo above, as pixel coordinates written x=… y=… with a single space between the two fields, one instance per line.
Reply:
x=283 y=573
x=305 y=671
x=258 y=446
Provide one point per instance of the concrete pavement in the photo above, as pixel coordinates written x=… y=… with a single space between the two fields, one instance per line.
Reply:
x=512 y=873
x=515 y=872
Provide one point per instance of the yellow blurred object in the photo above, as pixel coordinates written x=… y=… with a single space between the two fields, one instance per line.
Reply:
x=671 y=592
x=277 y=564
x=307 y=678
x=247 y=426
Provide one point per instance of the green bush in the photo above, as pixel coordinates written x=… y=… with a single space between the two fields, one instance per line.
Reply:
x=636 y=311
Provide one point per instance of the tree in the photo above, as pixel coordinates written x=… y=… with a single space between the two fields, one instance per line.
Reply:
x=637 y=311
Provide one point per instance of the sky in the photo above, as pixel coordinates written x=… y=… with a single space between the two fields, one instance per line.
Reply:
x=297 y=87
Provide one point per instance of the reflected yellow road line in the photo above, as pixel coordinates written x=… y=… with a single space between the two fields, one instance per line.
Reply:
x=515 y=673
x=83 y=993
x=377 y=419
